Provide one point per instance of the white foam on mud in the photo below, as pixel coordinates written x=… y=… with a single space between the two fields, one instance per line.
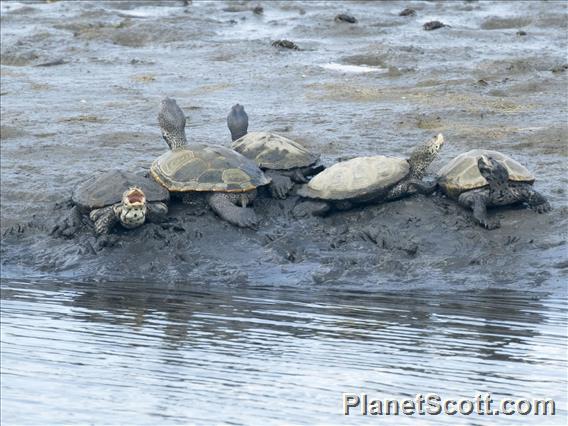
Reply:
x=152 y=11
x=353 y=69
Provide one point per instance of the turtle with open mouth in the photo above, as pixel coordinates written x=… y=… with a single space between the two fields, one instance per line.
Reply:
x=284 y=160
x=115 y=198
x=482 y=178
x=227 y=179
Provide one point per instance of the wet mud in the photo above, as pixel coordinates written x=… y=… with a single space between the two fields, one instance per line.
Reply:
x=81 y=85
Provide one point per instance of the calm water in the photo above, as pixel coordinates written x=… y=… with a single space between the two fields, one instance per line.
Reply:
x=135 y=353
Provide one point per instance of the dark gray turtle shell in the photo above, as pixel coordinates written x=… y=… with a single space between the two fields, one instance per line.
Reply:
x=197 y=167
x=272 y=151
x=107 y=189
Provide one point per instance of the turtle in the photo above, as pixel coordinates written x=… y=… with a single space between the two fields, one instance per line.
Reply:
x=369 y=180
x=115 y=197
x=284 y=160
x=482 y=178
x=227 y=179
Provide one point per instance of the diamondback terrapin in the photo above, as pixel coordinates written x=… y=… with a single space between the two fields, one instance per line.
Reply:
x=482 y=178
x=116 y=197
x=369 y=180
x=285 y=161
x=227 y=179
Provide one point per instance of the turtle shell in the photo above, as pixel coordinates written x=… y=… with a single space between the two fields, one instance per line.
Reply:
x=107 y=189
x=198 y=167
x=272 y=151
x=462 y=173
x=356 y=178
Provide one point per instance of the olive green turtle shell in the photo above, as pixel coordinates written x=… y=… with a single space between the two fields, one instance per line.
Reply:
x=462 y=173
x=272 y=151
x=107 y=189
x=356 y=178
x=197 y=167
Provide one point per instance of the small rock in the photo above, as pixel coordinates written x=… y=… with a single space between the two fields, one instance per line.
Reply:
x=52 y=63
x=258 y=10
x=285 y=44
x=343 y=17
x=394 y=72
x=434 y=25
x=411 y=249
x=521 y=33
x=178 y=228
x=559 y=68
x=407 y=12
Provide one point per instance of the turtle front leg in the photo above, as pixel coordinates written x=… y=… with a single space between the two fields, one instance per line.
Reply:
x=156 y=212
x=535 y=200
x=478 y=203
x=280 y=186
x=424 y=188
x=224 y=206
x=410 y=187
x=105 y=219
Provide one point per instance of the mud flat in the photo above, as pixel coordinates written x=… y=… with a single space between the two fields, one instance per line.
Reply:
x=81 y=85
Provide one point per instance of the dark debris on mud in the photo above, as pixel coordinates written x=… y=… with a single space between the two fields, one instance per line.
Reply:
x=285 y=44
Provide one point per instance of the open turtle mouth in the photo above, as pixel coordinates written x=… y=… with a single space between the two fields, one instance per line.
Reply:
x=134 y=196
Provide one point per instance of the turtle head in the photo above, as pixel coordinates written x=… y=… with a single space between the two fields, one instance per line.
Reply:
x=172 y=123
x=132 y=211
x=238 y=122
x=493 y=171
x=424 y=154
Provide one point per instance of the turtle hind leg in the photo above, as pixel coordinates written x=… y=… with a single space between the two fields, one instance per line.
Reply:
x=105 y=219
x=223 y=206
x=156 y=212
x=280 y=186
x=536 y=200
x=300 y=175
x=69 y=225
x=478 y=203
x=314 y=170
x=311 y=208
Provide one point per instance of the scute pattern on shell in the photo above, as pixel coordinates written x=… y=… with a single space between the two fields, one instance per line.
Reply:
x=462 y=173
x=204 y=168
x=272 y=151
x=107 y=189
x=356 y=178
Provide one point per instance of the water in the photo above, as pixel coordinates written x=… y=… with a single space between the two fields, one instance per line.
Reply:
x=133 y=353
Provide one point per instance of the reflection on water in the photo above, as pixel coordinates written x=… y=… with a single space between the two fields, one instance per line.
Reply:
x=134 y=353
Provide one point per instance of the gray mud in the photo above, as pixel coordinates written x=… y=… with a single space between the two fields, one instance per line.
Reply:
x=81 y=85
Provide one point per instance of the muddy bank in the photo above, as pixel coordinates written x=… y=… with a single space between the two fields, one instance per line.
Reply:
x=377 y=86
x=415 y=243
